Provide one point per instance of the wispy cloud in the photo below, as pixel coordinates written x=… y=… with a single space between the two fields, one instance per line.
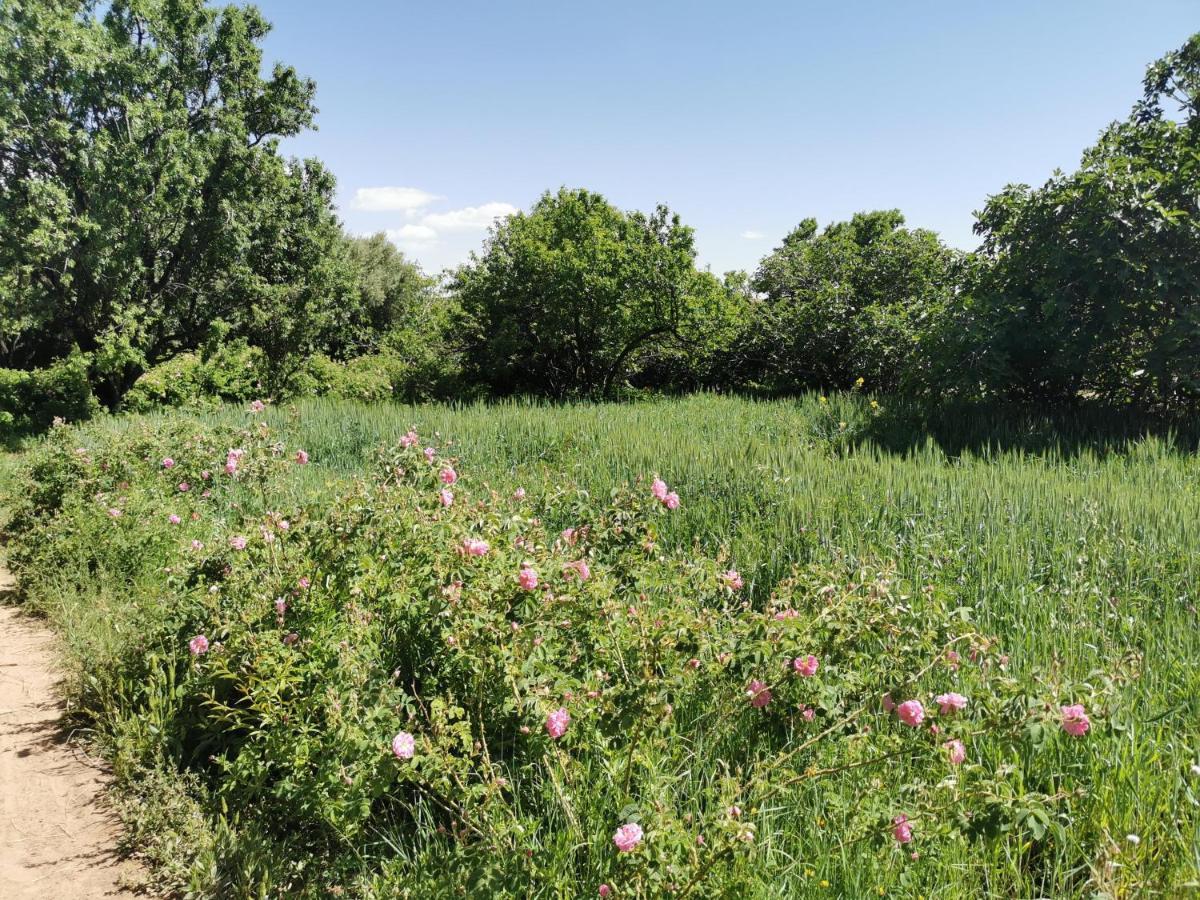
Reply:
x=392 y=199
x=412 y=233
x=469 y=218
x=753 y=235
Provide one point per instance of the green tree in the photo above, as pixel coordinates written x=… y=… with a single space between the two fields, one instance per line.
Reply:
x=389 y=294
x=845 y=303
x=1092 y=287
x=142 y=195
x=573 y=297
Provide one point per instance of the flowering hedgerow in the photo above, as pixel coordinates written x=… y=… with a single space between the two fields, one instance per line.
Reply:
x=438 y=663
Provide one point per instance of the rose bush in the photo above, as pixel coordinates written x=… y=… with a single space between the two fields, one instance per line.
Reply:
x=403 y=688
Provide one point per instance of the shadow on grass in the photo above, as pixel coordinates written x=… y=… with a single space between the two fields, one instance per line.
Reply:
x=904 y=426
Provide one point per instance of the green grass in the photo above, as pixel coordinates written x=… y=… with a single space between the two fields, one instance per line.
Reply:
x=1082 y=554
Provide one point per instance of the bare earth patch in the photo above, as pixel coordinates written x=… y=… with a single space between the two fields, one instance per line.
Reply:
x=57 y=839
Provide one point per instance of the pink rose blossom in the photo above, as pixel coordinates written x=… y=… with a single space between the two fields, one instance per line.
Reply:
x=693 y=663
x=911 y=712
x=198 y=645
x=197 y=545
x=568 y=536
x=409 y=439
x=671 y=501
x=404 y=745
x=528 y=578
x=950 y=702
x=302 y=457
x=474 y=547
x=627 y=837
x=174 y=519
x=658 y=488
x=557 y=722
x=580 y=568
x=184 y=487
x=231 y=467
x=902 y=831
x=446 y=496
x=1075 y=721
x=955 y=751
x=114 y=513
x=759 y=694
x=168 y=463
x=429 y=453
x=237 y=542
x=805 y=665
x=519 y=494
x=205 y=475
x=603 y=890
x=257 y=406
x=733 y=580
x=304 y=583
x=809 y=713
x=448 y=475
x=280 y=606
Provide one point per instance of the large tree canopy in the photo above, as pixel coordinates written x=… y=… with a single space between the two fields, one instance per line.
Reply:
x=1093 y=287
x=845 y=303
x=142 y=195
x=567 y=298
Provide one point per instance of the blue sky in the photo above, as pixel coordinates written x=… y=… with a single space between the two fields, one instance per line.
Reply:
x=745 y=117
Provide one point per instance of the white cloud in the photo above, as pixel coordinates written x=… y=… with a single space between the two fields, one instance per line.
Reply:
x=414 y=233
x=753 y=235
x=392 y=199
x=469 y=217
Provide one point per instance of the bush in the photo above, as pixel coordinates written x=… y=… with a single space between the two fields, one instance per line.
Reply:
x=420 y=685
x=30 y=400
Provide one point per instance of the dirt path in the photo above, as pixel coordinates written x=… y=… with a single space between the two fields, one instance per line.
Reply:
x=57 y=840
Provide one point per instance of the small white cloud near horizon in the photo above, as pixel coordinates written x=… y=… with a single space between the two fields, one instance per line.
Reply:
x=753 y=235
x=392 y=199
x=469 y=217
x=413 y=233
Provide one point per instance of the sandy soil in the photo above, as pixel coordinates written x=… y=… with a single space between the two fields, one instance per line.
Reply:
x=57 y=839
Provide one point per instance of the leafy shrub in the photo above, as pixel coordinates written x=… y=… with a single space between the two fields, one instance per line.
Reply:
x=557 y=688
x=31 y=399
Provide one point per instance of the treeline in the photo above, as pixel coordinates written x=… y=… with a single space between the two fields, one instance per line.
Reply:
x=156 y=247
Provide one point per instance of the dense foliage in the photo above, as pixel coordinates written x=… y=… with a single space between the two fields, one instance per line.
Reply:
x=1092 y=281
x=569 y=298
x=846 y=304
x=146 y=216
x=437 y=679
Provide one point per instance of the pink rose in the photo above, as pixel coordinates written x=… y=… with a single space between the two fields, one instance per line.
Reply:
x=448 y=475
x=301 y=458
x=198 y=645
x=733 y=580
x=519 y=494
x=1075 y=721
x=404 y=745
x=671 y=501
x=580 y=568
x=429 y=453
x=557 y=722
x=911 y=712
x=184 y=487
x=955 y=751
x=409 y=440
x=528 y=578
x=805 y=665
x=902 y=831
x=474 y=547
x=950 y=702
x=237 y=542
x=759 y=694
x=627 y=837
x=174 y=519
x=168 y=463
x=658 y=488
x=446 y=496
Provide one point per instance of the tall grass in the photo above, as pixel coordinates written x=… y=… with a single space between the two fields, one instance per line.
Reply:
x=1082 y=555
